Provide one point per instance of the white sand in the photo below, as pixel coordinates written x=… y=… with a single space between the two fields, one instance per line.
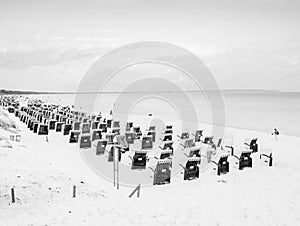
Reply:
x=43 y=175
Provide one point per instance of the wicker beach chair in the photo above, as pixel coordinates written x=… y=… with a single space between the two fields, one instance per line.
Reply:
x=162 y=172
x=139 y=160
x=191 y=169
x=96 y=134
x=245 y=159
x=74 y=136
x=101 y=146
x=85 y=141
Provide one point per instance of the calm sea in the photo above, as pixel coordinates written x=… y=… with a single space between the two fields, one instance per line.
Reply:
x=262 y=111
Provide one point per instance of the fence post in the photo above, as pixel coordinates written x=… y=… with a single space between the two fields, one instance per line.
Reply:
x=13 y=195
x=74 y=191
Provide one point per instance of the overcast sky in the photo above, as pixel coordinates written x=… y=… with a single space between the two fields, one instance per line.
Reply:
x=48 y=45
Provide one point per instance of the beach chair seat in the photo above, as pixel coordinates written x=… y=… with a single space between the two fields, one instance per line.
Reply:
x=252 y=144
x=162 y=172
x=74 y=136
x=85 y=141
x=101 y=146
x=43 y=129
x=191 y=169
x=139 y=160
x=245 y=159
x=96 y=134
x=147 y=142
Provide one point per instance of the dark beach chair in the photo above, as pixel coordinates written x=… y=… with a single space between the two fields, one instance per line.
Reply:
x=109 y=123
x=222 y=164
x=103 y=127
x=85 y=141
x=59 y=126
x=245 y=159
x=269 y=158
x=147 y=142
x=191 y=169
x=101 y=146
x=43 y=129
x=165 y=154
x=152 y=133
x=168 y=131
x=52 y=124
x=96 y=134
x=162 y=172
x=116 y=131
x=167 y=137
x=137 y=132
x=139 y=160
x=74 y=136
x=67 y=129
x=169 y=127
x=34 y=127
x=110 y=138
x=95 y=125
x=129 y=125
x=184 y=135
x=252 y=144
x=116 y=124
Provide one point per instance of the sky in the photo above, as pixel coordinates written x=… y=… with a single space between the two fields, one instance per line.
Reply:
x=49 y=45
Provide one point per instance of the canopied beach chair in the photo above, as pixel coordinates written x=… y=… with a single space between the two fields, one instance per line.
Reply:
x=267 y=158
x=43 y=129
x=222 y=164
x=167 y=145
x=77 y=125
x=191 y=169
x=139 y=160
x=162 y=172
x=165 y=154
x=245 y=159
x=116 y=131
x=109 y=123
x=74 y=136
x=137 y=132
x=252 y=144
x=129 y=125
x=59 y=126
x=110 y=138
x=52 y=124
x=184 y=135
x=103 y=127
x=129 y=137
x=86 y=128
x=85 y=141
x=95 y=124
x=96 y=134
x=167 y=137
x=116 y=124
x=152 y=128
x=194 y=152
x=67 y=129
x=101 y=146
x=34 y=126
x=147 y=142
x=208 y=140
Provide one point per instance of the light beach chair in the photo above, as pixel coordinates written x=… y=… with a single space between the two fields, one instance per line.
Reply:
x=85 y=128
x=184 y=135
x=162 y=172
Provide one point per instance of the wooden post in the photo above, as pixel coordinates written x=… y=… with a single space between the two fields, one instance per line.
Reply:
x=137 y=189
x=74 y=191
x=13 y=195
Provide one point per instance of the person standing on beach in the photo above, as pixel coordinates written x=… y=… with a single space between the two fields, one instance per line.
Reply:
x=275 y=133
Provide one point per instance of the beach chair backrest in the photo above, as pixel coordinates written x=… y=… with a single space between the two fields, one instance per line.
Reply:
x=165 y=154
x=116 y=130
x=147 y=142
x=168 y=145
x=168 y=127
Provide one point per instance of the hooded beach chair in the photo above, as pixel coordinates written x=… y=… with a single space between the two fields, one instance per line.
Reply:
x=59 y=126
x=191 y=169
x=77 y=125
x=162 y=172
x=267 y=158
x=85 y=141
x=43 y=129
x=129 y=125
x=245 y=159
x=165 y=154
x=67 y=129
x=184 y=135
x=137 y=132
x=34 y=127
x=110 y=137
x=95 y=125
x=208 y=140
x=222 y=164
x=129 y=137
x=96 y=134
x=194 y=152
x=52 y=124
x=252 y=144
x=167 y=145
x=139 y=160
x=101 y=146
x=109 y=123
x=86 y=128
x=167 y=137
x=116 y=131
x=147 y=142
x=74 y=136
x=116 y=124
x=103 y=127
